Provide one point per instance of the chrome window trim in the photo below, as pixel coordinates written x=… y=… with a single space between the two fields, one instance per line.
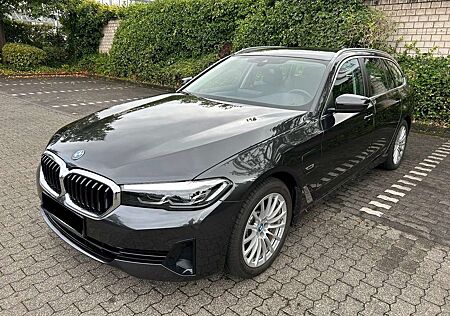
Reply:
x=64 y=197
x=371 y=98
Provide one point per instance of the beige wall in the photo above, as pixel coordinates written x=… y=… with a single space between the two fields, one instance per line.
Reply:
x=425 y=21
x=108 y=36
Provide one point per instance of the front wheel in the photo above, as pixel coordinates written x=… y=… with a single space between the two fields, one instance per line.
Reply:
x=260 y=229
x=397 y=149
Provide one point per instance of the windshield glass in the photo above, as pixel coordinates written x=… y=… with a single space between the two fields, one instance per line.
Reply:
x=284 y=82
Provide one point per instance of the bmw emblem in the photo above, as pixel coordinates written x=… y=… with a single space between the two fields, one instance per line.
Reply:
x=78 y=154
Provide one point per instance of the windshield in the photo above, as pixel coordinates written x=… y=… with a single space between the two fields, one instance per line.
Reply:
x=284 y=82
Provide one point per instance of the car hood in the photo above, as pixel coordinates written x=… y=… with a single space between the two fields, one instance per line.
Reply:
x=171 y=137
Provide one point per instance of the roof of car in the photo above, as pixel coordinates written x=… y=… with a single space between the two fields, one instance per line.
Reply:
x=321 y=54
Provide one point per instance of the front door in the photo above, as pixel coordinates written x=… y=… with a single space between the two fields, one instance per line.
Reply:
x=347 y=137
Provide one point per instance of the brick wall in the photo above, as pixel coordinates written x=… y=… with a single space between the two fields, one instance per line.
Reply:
x=108 y=36
x=425 y=21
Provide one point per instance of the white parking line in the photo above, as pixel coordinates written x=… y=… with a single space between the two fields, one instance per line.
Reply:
x=418 y=173
x=407 y=182
x=432 y=161
x=422 y=169
x=381 y=205
x=46 y=83
x=401 y=187
x=412 y=178
x=387 y=198
x=93 y=103
x=394 y=192
x=75 y=90
x=427 y=165
x=371 y=212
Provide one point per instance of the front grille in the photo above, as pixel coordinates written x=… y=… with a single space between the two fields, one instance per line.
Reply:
x=50 y=169
x=89 y=194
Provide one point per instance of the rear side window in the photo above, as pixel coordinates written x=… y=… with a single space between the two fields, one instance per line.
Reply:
x=380 y=79
x=349 y=80
x=396 y=73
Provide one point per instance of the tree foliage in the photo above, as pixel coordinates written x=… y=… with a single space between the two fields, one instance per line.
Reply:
x=82 y=22
x=164 y=31
x=33 y=8
x=314 y=23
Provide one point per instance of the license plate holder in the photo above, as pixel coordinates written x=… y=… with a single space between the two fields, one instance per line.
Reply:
x=68 y=218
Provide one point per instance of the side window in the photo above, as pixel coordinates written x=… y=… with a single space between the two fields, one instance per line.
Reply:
x=349 y=80
x=396 y=73
x=380 y=80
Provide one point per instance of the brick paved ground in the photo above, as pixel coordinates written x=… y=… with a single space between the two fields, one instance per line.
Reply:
x=337 y=260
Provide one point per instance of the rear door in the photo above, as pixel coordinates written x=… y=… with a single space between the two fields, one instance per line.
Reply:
x=386 y=95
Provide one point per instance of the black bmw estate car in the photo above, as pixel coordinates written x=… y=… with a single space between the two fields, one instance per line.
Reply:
x=182 y=185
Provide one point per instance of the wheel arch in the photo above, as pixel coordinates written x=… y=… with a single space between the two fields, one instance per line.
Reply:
x=292 y=182
x=408 y=120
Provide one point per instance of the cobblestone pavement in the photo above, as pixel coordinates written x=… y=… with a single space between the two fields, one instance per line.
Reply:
x=337 y=260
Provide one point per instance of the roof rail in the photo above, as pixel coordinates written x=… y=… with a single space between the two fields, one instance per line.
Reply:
x=360 y=49
x=256 y=48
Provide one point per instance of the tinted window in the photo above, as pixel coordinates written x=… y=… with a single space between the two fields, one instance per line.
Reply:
x=380 y=79
x=262 y=80
x=396 y=73
x=349 y=80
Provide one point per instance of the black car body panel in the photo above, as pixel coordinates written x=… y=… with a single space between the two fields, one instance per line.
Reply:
x=147 y=141
x=180 y=137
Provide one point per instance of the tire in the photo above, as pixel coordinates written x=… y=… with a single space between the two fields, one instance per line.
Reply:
x=393 y=161
x=237 y=263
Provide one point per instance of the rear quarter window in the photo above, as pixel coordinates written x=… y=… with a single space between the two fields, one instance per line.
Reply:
x=380 y=78
x=399 y=79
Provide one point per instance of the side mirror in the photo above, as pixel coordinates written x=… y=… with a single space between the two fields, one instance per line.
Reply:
x=351 y=103
x=185 y=80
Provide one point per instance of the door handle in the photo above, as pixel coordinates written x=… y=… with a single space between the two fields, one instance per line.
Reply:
x=368 y=116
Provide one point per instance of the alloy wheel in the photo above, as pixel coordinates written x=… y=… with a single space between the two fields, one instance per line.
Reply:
x=399 y=146
x=264 y=230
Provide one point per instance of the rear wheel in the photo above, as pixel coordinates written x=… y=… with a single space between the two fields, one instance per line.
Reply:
x=260 y=229
x=397 y=149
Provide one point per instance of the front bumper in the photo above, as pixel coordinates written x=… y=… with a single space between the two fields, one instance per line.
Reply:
x=149 y=243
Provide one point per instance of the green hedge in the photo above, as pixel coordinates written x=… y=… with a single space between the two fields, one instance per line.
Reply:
x=164 y=31
x=35 y=35
x=314 y=23
x=82 y=22
x=429 y=81
x=176 y=32
x=23 y=56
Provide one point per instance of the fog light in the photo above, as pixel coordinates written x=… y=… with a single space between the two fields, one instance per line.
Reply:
x=181 y=259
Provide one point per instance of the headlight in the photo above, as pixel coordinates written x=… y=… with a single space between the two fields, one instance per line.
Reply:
x=175 y=195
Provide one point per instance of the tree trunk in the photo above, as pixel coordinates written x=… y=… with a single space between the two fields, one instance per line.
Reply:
x=2 y=34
